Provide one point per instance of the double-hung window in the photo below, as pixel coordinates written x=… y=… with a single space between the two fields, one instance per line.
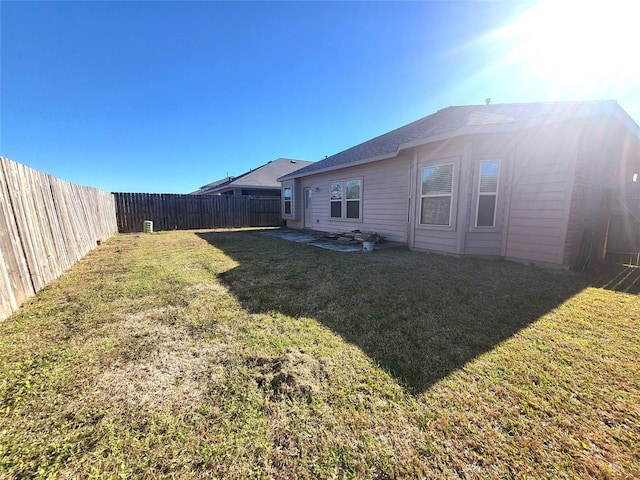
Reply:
x=487 y=193
x=346 y=199
x=287 y=198
x=437 y=195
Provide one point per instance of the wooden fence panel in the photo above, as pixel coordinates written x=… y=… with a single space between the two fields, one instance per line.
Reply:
x=15 y=279
x=189 y=212
x=46 y=225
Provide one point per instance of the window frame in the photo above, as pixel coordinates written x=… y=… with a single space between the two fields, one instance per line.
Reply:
x=344 y=200
x=450 y=195
x=291 y=215
x=480 y=193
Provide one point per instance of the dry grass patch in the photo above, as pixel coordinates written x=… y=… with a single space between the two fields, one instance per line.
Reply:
x=160 y=368
x=238 y=355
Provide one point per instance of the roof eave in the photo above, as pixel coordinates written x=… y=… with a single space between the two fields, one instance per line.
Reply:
x=295 y=175
x=506 y=127
x=403 y=146
x=627 y=121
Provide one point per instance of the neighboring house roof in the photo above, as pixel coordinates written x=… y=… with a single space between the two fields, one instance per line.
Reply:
x=465 y=120
x=263 y=177
x=209 y=186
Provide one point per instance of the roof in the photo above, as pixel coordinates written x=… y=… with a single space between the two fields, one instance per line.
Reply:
x=262 y=177
x=456 y=121
x=209 y=186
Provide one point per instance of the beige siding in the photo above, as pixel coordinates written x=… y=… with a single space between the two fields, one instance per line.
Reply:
x=540 y=195
x=545 y=195
x=385 y=199
x=487 y=241
x=294 y=223
x=483 y=243
x=438 y=239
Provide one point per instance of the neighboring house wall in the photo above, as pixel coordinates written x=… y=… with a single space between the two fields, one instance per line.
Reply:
x=253 y=192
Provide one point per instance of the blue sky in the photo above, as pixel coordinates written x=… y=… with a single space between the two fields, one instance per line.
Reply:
x=168 y=96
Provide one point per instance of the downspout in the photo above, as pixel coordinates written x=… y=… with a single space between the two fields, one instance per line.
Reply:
x=513 y=158
x=411 y=205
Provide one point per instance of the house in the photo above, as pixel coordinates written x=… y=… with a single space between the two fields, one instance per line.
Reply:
x=522 y=182
x=261 y=181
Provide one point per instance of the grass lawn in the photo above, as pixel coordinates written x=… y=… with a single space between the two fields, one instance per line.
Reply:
x=234 y=354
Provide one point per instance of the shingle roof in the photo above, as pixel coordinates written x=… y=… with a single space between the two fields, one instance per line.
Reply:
x=210 y=186
x=460 y=120
x=264 y=176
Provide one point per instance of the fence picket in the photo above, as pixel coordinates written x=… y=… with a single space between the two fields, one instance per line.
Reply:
x=186 y=212
x=46 y=225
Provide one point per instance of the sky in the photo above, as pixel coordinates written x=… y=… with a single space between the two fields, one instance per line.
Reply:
x=164 y=97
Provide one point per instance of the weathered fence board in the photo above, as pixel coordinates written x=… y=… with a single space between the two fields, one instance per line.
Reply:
x=187 y=212
x=46 y=225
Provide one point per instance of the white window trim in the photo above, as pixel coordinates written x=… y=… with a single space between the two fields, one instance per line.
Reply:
x=344 y=200
x=480 y=193
x=451 y=224
x=289 y=216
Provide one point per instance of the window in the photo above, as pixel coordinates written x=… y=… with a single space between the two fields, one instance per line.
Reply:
x=345 y=199
x=307 y=198
x=436 y=195
x=487 y=193
x=287 y=200
x=336 y=200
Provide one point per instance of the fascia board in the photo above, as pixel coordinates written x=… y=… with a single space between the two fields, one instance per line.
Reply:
x=332 y=168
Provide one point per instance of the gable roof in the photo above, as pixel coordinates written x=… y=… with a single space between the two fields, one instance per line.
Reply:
x=263 y=177
x=456 y=121
x=210 y=186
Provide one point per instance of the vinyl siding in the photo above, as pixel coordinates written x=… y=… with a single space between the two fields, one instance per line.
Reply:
x=487 y=241
x=454 y=239
x=385 y=199
x=294 y=224
x=540 y=195
x=436 y=238
x=437 y=241
x=483 y=243
x=550 y=188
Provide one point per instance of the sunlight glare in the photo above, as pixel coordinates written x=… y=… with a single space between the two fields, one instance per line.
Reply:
x=586 y=44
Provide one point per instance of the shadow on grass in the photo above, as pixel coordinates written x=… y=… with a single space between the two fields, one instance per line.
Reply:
x=418 y=316
x=618 y=278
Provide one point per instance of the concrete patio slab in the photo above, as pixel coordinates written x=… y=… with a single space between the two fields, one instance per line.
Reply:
x=315 y=239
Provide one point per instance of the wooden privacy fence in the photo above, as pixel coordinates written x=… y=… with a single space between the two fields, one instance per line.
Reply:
x=185 y=212
x=46 y=225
